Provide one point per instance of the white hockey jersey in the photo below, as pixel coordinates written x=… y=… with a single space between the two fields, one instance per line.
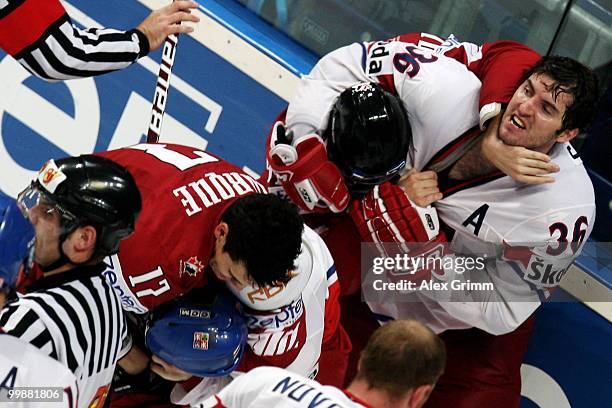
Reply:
x=272 y=387
x=295 y=321
x=489 y=215
x=520 y=230
x=439 y=93
x=23 y=365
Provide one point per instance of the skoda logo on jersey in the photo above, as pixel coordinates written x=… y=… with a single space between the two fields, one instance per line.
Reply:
x=545 y=274
x=542 y=272
x=375 y=58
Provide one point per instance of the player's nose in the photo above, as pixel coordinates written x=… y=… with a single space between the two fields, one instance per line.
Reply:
x=526 y=108
x=33 y=214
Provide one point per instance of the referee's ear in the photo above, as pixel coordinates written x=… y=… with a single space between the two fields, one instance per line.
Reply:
x=81 y=244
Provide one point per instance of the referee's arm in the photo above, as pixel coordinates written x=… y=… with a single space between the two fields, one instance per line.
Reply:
x=42 y=37
x=68 y=52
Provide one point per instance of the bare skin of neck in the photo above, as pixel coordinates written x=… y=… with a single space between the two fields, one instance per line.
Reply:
x=471 y=165
x=372 y=396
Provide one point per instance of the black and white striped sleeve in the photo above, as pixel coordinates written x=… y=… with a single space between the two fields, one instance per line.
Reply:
x=19 y=320
x=65 y=51
x=42 y=37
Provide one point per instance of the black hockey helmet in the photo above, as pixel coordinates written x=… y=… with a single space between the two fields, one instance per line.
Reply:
x=368 y=135
x=88 y=190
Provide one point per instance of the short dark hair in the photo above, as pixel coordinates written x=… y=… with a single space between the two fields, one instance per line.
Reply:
x=265 y=232
x=575 y=79
x=400 y=356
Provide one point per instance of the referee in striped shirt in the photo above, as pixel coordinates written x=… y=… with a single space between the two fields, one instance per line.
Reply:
x=41 y=36
x=81 y=208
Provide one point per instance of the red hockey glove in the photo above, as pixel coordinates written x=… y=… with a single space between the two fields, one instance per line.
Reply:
x=386 y=217
x=306 y=174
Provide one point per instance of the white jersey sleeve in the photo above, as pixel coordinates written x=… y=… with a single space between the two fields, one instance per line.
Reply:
x=431 y=87
x=316 y=92
x=23 y=365
x=272 y=387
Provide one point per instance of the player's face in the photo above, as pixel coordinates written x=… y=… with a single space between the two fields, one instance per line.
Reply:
x=227 y=270
x=534 y=116
x=46 y=221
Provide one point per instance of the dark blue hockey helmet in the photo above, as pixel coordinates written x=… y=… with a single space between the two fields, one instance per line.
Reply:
x=204 y=337
x=16 y=238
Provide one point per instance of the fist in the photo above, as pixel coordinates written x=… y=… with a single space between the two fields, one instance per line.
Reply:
x=421 y=187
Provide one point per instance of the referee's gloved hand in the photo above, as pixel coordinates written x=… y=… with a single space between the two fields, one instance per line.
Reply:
x=167 y=370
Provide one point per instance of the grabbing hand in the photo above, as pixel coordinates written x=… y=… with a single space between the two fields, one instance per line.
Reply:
x=166 y=21
x=522 y=164
x=167 y=370
x=421 y=187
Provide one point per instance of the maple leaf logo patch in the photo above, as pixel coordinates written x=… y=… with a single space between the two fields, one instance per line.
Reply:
x=191 y=266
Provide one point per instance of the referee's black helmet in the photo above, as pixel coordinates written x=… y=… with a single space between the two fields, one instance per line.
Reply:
x=90 y=190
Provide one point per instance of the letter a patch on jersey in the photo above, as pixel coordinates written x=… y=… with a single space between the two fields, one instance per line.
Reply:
x=476 y=218
x=9 y=381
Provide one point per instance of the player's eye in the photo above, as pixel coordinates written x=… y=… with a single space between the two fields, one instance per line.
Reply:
x=527 y=90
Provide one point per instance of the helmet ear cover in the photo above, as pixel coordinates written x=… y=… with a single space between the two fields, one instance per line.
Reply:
x=368 y=135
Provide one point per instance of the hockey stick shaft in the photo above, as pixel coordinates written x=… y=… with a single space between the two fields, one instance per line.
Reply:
x=160 y=98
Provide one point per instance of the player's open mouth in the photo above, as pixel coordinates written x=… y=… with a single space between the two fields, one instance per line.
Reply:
x=517 y=122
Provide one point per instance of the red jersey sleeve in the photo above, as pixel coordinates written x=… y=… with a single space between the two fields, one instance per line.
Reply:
x=24 y=23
